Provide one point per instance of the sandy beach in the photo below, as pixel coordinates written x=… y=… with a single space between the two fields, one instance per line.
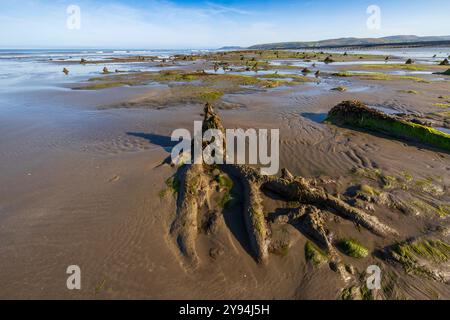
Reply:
x=82 y=170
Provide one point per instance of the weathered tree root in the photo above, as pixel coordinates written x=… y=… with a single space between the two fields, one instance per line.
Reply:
x=299 y=189
x=427 y=255
x=255 y=220
x=185 y=226
x=313 y=224
x=195 y=184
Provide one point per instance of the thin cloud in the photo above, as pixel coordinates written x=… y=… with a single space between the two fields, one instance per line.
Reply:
x=216 y=8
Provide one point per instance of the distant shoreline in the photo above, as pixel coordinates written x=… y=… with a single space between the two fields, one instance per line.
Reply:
x=418 y=44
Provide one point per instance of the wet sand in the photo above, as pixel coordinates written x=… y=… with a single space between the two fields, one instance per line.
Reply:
x=81 y=186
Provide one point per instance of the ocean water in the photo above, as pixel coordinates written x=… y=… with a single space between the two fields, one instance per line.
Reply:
x=36 y=69
x=33 y=86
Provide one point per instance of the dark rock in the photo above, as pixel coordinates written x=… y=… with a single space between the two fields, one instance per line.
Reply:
x=306 y=70
x=328 y=60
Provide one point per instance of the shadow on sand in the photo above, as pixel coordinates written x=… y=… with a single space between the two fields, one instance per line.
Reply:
x=156 y=139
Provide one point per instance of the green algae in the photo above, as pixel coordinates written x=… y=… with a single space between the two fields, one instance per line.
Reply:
x=105 y=85
x=348 y=293
x=415 y=67
x=366 y=190
x=353 y=248
x=172 y=187
x=442 y=210
x=427 y=185
x=370 y=173
x=357 y=293
x=224 y=182
x=211 y=96
x=379 y=76
x=388 y=182
x=258 y=220
x=407 y=175
x=442 y=105
x=375 y=174
x=314 y=254
x=410 y=253
x=226 y=201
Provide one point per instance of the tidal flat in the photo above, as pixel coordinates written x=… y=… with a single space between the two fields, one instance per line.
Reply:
x=85 y=181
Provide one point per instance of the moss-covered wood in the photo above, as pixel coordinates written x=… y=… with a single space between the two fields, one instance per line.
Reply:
x=356 y=114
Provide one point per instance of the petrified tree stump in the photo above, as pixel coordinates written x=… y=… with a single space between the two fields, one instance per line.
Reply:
x=195 y=181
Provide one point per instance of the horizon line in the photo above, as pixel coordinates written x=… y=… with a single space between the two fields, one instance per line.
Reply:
x=209 y=48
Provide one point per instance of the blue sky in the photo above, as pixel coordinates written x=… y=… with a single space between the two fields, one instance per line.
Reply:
x=209 y=24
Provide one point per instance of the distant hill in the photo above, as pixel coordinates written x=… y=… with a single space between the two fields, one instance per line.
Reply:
x=356 y=42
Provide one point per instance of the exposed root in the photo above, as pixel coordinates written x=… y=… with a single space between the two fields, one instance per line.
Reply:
x=313 y=225
x=197 y=182
x=255 y=220
x=184 y=228
x=427 y=256
x=299 y=189
x=212 y=120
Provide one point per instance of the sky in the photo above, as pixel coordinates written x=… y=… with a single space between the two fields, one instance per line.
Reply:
x=176 y=24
